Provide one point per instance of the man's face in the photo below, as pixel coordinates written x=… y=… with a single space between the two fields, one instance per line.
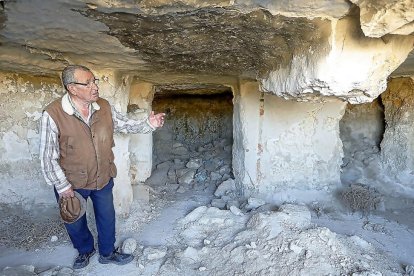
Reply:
x=85 y=88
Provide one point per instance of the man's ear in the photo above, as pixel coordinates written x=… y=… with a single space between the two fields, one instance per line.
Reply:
x=71 y=89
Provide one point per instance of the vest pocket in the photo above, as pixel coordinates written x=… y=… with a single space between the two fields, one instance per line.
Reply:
x=78 y=179
x=67 y=145
x=112 y=169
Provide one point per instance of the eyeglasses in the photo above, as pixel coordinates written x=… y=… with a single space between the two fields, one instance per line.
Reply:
x=88 y=84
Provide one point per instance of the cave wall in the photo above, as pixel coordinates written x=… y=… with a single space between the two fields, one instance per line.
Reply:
x=353 y=67
x=362 y=125
x=302 y=150
x=282 y=149
x=362 y=129
x=140 y=145
x=22 y=100
x=397 y=146
x=290 y=149
x=378 y=141
x=289 y=65
x=246 y=129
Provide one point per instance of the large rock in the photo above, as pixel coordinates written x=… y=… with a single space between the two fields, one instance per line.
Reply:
x=253 y=203
x=186 y=176
x=225 y=187
x=215 y=225
x=380 y=17
x=129 y=245
x=354 y=67
x=287 y=218
x=22 y=270
x=194 y=163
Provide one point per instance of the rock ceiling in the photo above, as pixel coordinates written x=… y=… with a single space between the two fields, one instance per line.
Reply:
x=214 y=41
x=246 y=38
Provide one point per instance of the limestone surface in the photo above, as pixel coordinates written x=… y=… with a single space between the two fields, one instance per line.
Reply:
x=379 y=18
x=397 y=144
x=294 y=48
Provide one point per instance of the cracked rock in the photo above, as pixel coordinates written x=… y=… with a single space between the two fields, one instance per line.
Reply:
x=129 y=246
x=194 y=163
x=225 y=187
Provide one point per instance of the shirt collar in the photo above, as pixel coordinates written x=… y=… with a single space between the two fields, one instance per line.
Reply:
x=68 y=107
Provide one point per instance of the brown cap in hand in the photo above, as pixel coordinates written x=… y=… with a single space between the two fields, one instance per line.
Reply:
x=72 y=208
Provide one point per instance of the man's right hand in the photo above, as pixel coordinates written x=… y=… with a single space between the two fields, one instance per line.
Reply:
x=68 y=193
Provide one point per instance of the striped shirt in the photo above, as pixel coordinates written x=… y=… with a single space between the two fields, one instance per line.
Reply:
x=49 y=143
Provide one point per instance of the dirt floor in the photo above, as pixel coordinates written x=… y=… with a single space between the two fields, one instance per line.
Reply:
x=195 y=224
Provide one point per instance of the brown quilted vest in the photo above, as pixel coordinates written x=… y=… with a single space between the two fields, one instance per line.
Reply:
x=86 y=155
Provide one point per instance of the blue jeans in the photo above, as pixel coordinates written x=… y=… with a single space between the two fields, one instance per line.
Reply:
x=103 y=207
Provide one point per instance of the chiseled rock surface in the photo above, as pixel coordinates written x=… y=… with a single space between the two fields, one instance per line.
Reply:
x=351 y=56
x=294 y=8
x=397 y=148
x=381 y=17
x=294 y=48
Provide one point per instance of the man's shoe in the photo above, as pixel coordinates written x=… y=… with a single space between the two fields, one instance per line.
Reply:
x=82 y=260
x=116 y=258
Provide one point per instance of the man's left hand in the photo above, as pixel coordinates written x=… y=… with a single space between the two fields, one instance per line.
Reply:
x=156 y=120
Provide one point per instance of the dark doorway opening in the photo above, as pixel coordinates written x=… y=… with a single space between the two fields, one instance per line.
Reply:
x=194 y=148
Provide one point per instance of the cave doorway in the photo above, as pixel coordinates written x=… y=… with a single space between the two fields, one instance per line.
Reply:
x=361 y=130
x=194 y=148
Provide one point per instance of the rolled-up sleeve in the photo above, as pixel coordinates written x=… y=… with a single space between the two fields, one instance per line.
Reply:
x=49 y=154
x=123 y=124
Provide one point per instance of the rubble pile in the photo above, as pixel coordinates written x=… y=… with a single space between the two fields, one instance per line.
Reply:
x=208 y=166
x=282 y=242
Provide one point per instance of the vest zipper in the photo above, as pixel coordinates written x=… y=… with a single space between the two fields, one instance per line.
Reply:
x=96 y=156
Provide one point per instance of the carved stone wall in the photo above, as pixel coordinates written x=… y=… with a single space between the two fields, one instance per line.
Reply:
x=397 y=147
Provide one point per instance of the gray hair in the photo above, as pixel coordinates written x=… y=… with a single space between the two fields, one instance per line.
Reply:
x=68 y=74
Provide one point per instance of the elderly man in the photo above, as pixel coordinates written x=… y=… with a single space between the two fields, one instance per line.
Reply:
x=76 y=155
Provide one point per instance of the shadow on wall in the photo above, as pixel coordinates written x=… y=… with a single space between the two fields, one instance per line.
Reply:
x=3 y=17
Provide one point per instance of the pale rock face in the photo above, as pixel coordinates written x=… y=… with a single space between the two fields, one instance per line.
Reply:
x=355 y=68
x=397 y=148
x=15 y=147
x=122 y=191
x=23 y=99
x=362 y=124
x=300 y=8
x=362 y=128
x=187 y=177
x=406 y=29
x=194 y=163
x=294 y=48
x=291 y=146
x=140 y=146
x=312 y=53
x=379 y=18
